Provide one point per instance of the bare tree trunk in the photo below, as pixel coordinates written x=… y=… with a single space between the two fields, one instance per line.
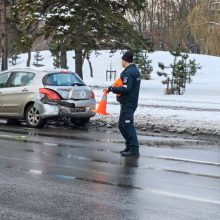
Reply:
x=29 y=59
x=0 y=29
x=78 y=62
x=90 y=65
x=63 y=57
x=4 y=43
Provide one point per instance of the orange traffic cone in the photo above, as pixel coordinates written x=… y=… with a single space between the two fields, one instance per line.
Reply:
x=102 y=105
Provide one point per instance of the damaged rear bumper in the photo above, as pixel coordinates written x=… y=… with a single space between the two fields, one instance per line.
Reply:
x=66 y=108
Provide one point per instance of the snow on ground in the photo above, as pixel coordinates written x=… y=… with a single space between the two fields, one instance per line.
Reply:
x=198 y=110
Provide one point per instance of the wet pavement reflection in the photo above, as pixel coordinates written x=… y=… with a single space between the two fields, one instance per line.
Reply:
x=45 y=171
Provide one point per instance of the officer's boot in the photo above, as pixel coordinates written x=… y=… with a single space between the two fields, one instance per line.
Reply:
x=126 y=149
x=133 y=151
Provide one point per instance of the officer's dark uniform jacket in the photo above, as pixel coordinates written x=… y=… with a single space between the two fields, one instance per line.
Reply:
x=131 y=85
x=129 y=101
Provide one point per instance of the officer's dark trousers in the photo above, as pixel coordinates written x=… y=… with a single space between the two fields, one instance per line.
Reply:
x=126 y=127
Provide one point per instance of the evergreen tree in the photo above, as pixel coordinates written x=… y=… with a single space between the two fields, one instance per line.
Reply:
x=86 y=25
x=59 y=54
x=182 y=71
x=144 y=64
x=25 y=27
x=38 y=58
x=13 y=54
x=56 y=59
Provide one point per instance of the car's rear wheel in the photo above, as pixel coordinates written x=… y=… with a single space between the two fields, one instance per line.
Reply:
x=80 y=121
x=33 y=118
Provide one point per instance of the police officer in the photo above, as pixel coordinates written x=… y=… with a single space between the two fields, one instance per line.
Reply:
x=128 y=99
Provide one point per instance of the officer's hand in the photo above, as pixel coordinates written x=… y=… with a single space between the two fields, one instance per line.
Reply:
x=106 y=90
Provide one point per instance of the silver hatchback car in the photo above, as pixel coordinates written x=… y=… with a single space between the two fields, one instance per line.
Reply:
x=37 y=95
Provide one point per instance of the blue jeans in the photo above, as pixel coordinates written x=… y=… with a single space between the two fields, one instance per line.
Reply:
x=126 y=127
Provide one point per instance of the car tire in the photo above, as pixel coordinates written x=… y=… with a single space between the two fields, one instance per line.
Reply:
x=80 y=121
x=33 y=118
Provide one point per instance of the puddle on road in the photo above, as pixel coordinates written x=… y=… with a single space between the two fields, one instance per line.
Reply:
x=144 y=140
x=149 y=143
x=29 y=150
x=67 y=177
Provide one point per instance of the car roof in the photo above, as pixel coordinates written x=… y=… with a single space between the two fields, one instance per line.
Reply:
x=38 y=71
x=24 y=69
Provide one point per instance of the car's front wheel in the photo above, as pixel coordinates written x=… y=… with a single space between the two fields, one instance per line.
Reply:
x=33 y=118
x=80 y=121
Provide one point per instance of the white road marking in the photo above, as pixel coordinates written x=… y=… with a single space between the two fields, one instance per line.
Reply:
x=66 y=177
x=50 y=144
x=13 y=158
x=180 y=196
x=188 y=160
x=36 y=171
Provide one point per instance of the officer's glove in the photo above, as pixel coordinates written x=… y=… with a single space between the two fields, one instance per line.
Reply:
x=109 y=88
x=106 y=90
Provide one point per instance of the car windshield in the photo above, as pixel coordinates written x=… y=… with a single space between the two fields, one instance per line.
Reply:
x=63 y=79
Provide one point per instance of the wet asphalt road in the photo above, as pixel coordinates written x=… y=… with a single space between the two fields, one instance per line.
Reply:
x=70 y=173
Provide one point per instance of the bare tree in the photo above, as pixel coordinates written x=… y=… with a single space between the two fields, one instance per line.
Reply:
x=205 y=25
x=4 y=40
x=165 y=21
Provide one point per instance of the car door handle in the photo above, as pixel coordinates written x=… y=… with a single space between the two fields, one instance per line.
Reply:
x=24 y=90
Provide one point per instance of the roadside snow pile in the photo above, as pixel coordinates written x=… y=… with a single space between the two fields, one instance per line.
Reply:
x=197 y=111
x=172 y=119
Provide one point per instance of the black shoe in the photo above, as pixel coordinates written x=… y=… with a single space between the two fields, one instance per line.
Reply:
x=125 y=150
x=130 y=153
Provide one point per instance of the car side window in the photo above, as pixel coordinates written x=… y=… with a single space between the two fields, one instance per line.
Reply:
x=22 y=79
x=3 y=79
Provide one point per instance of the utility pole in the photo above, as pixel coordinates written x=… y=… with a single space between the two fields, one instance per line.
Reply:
x=3 y=32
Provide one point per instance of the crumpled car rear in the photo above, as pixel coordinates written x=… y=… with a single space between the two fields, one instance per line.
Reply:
x=70 y=108
x=65 y=94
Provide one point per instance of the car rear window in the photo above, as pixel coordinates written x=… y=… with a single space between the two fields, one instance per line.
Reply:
x=63 y=79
